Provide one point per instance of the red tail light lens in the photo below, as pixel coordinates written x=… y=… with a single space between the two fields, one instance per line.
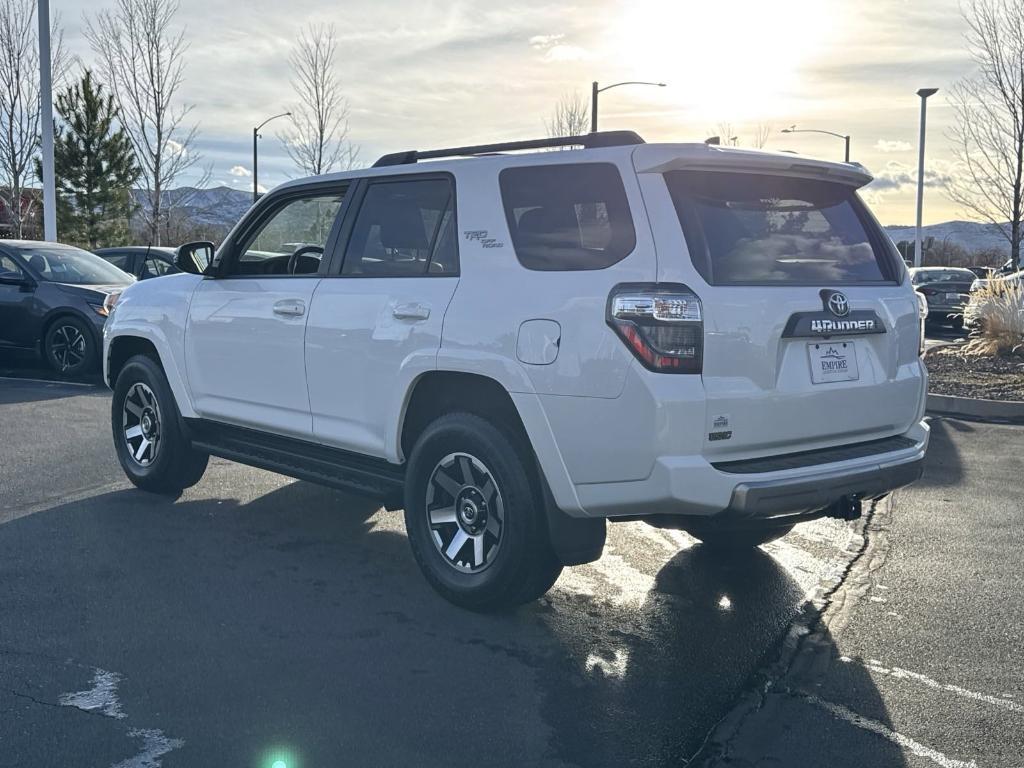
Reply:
x=661 y=323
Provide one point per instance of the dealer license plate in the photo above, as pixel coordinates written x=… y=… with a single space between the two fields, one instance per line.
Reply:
x=833 y=361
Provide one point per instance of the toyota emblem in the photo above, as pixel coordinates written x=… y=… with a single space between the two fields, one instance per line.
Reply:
x=838 y=304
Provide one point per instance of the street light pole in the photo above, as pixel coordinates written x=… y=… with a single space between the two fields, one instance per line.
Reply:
x=594 y=90
x=255 y=154
x=844 y=136
x=924 y=93
x=46 y=116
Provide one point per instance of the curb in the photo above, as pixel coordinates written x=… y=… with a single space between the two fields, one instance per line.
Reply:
x=972 y=408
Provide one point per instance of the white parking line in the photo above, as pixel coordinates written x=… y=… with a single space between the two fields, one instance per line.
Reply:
x=50 y=381
x=885 y=732
x=906 y=674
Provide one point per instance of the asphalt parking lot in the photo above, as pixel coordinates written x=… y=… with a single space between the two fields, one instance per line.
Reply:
x=257 y=620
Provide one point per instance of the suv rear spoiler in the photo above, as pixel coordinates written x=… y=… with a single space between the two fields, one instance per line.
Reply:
x=659 y=158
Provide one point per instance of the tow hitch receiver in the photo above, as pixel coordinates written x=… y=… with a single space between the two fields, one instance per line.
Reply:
x=847 y=508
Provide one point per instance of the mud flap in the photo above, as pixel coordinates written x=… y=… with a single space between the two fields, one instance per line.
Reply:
x=575 y=540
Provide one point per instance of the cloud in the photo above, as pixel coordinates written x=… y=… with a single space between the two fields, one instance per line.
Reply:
x=543 y=42
x=896 y=175
x=886 y=145
x=556 y=50
x=240 y=171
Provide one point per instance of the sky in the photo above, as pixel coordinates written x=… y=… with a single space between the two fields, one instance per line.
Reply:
x=420 y=74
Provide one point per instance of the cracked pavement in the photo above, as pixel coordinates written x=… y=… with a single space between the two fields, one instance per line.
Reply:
x=256 y=619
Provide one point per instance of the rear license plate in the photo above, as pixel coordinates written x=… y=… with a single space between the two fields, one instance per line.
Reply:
x=954 y=297
x=833 y=361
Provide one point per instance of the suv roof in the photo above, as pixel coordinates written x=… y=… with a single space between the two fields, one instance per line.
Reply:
x=647 y=158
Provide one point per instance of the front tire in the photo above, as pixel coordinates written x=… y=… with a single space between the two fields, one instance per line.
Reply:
x=146 y=425
x=69 y=347
x=475 y=516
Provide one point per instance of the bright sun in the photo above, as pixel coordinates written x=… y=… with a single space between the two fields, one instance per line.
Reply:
x=726 y=61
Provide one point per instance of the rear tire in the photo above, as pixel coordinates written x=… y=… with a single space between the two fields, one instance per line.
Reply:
x=734 y=538
x=153 y=451
x=475 y=517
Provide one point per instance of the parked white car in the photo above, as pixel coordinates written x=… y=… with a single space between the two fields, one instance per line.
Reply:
x=515 y=348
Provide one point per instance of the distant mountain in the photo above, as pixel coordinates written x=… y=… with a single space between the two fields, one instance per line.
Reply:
x=972 y=235
x=214 y=206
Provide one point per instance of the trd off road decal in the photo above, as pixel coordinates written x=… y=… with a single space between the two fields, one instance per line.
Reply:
x=483 y=237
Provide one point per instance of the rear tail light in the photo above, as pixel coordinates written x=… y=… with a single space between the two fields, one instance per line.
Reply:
x=928 y=291
x=661 y=323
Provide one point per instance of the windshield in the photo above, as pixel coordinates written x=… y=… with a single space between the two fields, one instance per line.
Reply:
x=64 y=264
x=745 y=228
x=943 y=276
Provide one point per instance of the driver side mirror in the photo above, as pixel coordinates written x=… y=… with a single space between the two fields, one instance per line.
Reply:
x=194 y=258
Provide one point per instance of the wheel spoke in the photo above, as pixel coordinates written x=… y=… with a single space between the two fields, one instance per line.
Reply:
x=460 y=538
x=133 y=409
x=492 y=526
x=488 y=490
x=448 y=483
x=445 y=515
x=141 y=450
x=133 y=432
x=478 y=551
x=467 y=471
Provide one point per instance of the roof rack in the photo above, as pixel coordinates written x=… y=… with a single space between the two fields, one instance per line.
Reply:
x=587 y=141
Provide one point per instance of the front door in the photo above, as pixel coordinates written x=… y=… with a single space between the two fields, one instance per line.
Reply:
x=376 y=324
x=17 y=325
x=244 y=344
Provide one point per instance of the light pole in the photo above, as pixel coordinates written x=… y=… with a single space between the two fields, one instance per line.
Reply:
x=594 y=90
x=255 y=154
x=46 y=116
x=924 y=93
x=844 y=136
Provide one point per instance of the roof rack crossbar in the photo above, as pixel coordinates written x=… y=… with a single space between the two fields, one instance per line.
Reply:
x=587 y=141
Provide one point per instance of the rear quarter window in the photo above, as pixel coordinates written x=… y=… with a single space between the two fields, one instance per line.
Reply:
x=567 y=217
x=753 y=229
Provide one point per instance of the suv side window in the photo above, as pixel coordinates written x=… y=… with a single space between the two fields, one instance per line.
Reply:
x=404 y=228
x=300 y=221
x=119 y=260
x=9 y=268
x=567 y=217
x=154 y=266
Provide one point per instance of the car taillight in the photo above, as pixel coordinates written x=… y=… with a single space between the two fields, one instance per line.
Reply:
x=661 y=323
x=928 y=291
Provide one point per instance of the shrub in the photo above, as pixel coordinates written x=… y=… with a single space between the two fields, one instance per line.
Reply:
x=995 y=315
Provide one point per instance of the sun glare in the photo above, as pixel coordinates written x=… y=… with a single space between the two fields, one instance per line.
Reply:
x=732 y=61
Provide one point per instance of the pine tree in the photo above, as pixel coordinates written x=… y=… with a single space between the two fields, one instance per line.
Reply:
x=95 y=166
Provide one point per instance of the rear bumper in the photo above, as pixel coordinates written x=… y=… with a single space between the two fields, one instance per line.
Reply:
x=684 y=485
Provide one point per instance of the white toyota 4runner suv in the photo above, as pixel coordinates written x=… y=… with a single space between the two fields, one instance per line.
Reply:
x=515 y=347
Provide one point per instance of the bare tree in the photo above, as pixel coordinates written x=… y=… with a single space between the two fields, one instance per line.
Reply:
x=318 y=140
x=571 y=116
x=20 y=107
x=142 y=59
x=989 y=128
x=762 y=132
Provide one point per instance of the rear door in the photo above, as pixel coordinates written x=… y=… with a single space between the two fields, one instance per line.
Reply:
x=810 y=338
x=245 y=339
x=376 y=319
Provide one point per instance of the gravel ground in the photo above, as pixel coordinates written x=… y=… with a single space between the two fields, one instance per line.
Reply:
x=988 y=378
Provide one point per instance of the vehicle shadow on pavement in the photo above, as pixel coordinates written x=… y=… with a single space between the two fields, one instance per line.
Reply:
x=13 y=392
x=298 y=622
x=944 y=464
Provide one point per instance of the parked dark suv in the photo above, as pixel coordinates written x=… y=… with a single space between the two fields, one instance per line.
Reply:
x=54 y=299
x=142 y=261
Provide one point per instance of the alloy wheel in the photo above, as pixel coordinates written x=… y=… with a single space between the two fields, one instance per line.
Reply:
x=141 y=424
x=68 y=347
x=465 y=512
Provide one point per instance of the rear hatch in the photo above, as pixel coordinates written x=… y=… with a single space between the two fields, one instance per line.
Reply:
x=810 y=340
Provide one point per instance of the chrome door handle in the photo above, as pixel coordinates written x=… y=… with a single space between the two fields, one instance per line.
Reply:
x=411 y=312
x=290 y=308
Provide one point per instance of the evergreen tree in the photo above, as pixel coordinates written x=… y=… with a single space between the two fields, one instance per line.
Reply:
x=95 y=166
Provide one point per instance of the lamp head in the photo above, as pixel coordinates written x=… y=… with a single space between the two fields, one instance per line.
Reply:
x=924 y=93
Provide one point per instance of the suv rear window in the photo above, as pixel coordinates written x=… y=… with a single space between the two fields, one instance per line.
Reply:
x=567 y=217
x=744 y=228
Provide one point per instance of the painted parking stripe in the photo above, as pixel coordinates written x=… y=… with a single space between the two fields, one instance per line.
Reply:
x=51 y=382
x=905 y=674
x=914 y=747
